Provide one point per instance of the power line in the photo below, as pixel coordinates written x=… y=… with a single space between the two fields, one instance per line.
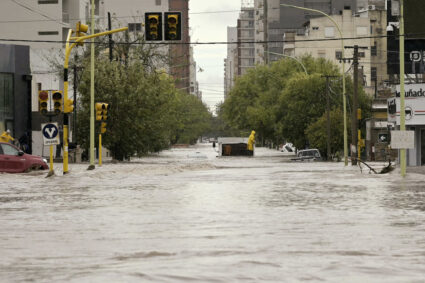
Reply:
x=206 y=43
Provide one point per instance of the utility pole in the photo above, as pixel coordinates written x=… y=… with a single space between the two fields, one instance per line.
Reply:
x=111 y=43
x=328 y=118
x=354 y=116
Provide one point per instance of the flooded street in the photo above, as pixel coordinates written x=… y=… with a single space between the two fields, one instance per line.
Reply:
x=187 y=216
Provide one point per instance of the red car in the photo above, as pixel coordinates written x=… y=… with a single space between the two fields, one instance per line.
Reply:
x=14 y=160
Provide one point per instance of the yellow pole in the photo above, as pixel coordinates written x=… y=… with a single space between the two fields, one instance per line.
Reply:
x=68 y=49
x=402 y=106
x=91 y=166
x=100 y=149
x=344 y=99
x=51 y=160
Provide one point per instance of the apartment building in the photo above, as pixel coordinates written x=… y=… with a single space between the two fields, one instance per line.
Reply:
x=246 y=38
x=230 y=62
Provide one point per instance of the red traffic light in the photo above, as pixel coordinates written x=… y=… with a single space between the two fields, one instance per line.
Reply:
x=43 y=95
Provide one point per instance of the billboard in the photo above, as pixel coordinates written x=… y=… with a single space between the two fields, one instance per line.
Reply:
x=414 y=105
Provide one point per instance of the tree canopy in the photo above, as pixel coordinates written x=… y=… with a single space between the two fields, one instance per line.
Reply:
x=283 y=103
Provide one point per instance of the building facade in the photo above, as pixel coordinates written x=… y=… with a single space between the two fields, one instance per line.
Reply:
x=230 y=63
x=44 y=25
x=246 y=39
x=15 y=91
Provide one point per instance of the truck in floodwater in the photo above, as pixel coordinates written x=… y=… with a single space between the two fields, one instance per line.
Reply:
x=234 y=146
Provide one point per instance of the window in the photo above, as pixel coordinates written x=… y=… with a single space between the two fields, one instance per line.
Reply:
x=374 y=50
x=321 y=53
x=9 y=150
x=6 y=102
x=362 y=54
x=48 y=1
x=48 y=33
x=373 y=73
x=158 y=2
x=134 y=27
x=315 y=28
x=338 y=55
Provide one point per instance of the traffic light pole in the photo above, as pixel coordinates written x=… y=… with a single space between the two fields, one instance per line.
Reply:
x=68 y=48
x=100 y=149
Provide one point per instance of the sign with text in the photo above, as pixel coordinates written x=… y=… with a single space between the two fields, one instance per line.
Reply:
x=414 y=105
x=402 y=139
x=50 y=133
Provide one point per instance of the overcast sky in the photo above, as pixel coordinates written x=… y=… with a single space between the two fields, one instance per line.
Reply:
x=206 y=26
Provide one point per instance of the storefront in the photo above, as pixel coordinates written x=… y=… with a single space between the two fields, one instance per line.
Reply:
x=414 y=119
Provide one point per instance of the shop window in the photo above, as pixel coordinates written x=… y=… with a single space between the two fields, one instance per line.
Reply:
x=6 y=102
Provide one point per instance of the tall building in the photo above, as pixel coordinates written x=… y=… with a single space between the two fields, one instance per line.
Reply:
x=180 y=53
x=245 y=36
x=230 y=62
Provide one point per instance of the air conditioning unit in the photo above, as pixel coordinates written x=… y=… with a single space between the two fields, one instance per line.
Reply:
x=371 y=7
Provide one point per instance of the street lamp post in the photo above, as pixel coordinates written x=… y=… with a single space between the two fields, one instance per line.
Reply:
x=284 y=55
x=344 y=99
x=402 y=106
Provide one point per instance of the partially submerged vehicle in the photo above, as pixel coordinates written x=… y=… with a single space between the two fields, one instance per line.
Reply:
x=288 y=148
x=308 y=155
x=234 y=146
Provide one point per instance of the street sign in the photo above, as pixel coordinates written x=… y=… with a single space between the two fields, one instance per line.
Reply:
x=382 y=137
x=50 y=133
x=402 y=139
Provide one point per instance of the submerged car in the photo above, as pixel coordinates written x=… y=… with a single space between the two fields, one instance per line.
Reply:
x=308 y=154
x=14 y=160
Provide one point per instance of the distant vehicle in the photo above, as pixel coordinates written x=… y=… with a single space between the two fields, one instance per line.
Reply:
x=14 y=160
x=288 y=147
x=308 y=155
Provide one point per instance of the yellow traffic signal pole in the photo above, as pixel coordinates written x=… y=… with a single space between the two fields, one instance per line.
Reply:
x=68 y=48
x=100 y=149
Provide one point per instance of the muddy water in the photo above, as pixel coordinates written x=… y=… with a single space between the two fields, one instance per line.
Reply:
x=187 y=216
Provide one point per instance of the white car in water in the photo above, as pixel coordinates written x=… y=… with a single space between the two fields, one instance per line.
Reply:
x=308 y=155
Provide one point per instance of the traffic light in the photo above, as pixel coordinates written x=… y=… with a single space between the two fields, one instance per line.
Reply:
x=68 y=106
x=173 y=26
x=57 y=101
x=81 y=30
x=43 y=97
x=103 y=127
x=102 y=111
x=153 y=26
